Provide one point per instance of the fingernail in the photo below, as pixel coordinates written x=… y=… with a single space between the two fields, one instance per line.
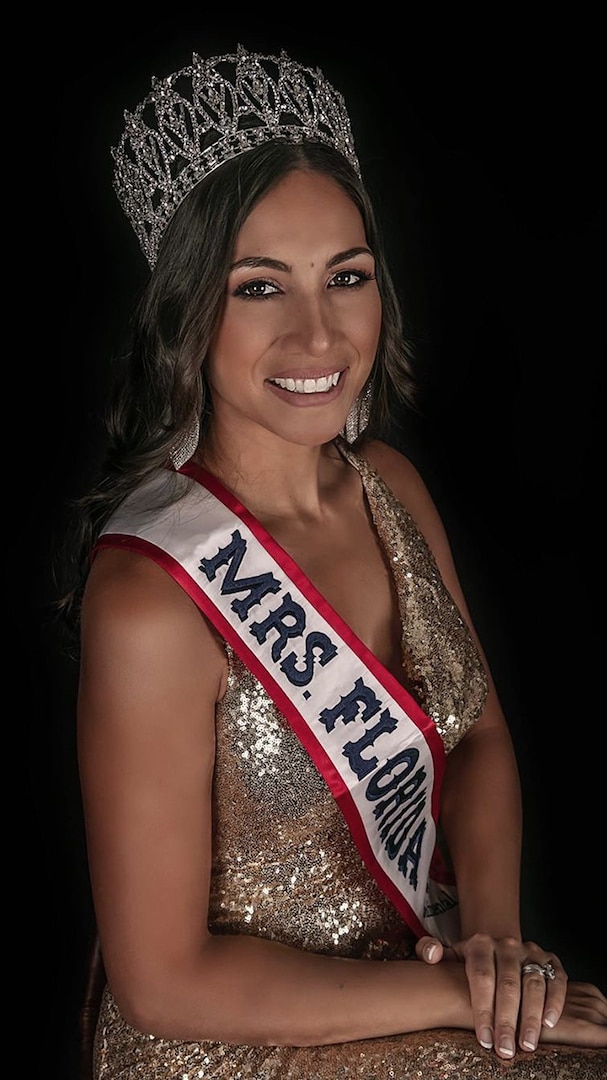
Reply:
x=486 y=1038
x=430 y=952
x=529 y=1042
x=506 y=1047
x=550 y=1019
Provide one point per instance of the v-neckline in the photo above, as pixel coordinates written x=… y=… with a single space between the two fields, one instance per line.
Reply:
x=292 y=568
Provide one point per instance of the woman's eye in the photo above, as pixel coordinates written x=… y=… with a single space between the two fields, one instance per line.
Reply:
x=348 y=279
x=250 y=290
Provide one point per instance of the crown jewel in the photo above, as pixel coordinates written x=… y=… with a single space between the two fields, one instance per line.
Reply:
x=193 y=121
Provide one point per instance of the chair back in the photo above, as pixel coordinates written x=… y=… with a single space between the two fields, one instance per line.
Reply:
x=89 y=1011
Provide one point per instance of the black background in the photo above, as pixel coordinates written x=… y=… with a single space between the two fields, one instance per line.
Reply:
x=481 y=142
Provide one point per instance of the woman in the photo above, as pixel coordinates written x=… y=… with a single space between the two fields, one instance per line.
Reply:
x=301 y=798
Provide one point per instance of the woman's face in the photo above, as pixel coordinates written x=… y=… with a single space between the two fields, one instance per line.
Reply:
x=302 y=316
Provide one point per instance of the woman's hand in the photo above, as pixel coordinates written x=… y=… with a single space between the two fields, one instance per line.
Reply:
x=510 y=1005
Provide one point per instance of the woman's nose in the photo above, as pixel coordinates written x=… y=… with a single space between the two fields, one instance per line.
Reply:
x=313 y=325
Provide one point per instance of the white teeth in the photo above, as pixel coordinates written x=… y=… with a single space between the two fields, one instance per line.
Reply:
x=309 y=386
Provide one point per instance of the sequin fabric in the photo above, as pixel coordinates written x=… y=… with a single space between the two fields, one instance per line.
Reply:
x=441 y=665
x=286 y=868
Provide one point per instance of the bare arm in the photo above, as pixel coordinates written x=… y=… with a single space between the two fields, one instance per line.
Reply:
x=483 y=829
x=482 y=821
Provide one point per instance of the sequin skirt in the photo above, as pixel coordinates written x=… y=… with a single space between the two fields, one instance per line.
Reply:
x=121 y=1053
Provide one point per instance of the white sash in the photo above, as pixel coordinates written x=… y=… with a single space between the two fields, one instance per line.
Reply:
x=380 y=755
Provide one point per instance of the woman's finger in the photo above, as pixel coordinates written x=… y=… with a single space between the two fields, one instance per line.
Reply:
x=544 y=988
x=429 y=949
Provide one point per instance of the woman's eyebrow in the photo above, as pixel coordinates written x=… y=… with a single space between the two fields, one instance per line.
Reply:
x=257 y=261
x=254 y=261
x=351 y=253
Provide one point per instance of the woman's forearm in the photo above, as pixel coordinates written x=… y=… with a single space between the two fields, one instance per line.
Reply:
x=248 y=990
x=482 y=821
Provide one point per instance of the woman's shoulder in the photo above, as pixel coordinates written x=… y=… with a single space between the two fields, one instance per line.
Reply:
x=138 y=617
x=130 y=589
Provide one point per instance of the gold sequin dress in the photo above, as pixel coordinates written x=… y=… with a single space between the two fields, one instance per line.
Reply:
x=286 y=868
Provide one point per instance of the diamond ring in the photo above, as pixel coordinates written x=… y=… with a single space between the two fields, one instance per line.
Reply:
x=546 y=970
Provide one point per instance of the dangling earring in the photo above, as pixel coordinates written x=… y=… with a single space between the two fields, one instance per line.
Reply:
x=186 y=444
x=358 y=417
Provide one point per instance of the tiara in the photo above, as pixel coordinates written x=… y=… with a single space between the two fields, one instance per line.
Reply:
x=209 y=112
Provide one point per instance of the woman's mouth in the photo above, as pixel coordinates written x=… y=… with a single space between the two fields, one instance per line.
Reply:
x=308 y=386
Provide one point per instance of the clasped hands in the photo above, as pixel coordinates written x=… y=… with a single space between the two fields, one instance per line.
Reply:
x=516 y=989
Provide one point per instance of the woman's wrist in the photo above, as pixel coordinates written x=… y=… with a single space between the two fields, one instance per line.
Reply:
x=443 y=994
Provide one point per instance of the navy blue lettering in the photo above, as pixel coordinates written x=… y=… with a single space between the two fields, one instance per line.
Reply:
x=348 y=707
x=352 y=750
x=397 y=814
x=400 y=795
x=258 y=585
x=393 y=833
x=375 y=789
x=397 y=824
x=411 y=856
x=276 y=620
x=315 y=641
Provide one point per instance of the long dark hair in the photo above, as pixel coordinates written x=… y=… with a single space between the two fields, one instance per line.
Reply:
x=161 y=384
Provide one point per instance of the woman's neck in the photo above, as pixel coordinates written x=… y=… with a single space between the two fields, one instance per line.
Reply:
x=272 y=477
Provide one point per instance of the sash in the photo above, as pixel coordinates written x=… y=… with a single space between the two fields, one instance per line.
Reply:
x=379 y=753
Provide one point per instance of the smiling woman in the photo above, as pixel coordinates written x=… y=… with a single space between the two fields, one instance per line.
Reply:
x=301 y=798
x=314 y=315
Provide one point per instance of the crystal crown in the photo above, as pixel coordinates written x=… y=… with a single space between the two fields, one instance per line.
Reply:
x=194 y=120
